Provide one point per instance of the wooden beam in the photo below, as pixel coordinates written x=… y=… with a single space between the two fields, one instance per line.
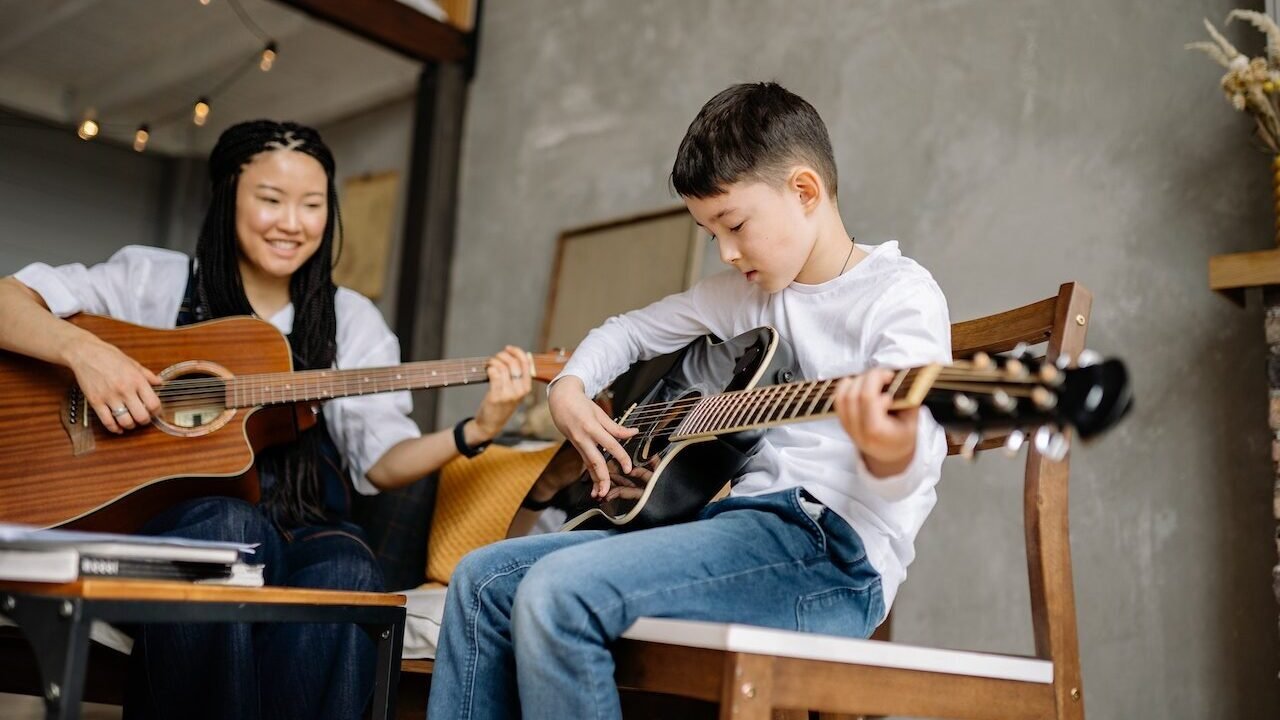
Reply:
x=393 y=25
x=1232 y=274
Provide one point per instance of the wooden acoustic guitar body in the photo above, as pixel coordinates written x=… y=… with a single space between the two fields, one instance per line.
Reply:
x=59 y=467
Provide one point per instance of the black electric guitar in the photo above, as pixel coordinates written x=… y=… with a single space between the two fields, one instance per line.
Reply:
x=701 y=412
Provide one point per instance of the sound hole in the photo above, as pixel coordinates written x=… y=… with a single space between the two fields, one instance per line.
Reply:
x=192 y=401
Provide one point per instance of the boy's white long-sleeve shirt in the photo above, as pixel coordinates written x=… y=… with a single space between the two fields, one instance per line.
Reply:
x=886 y=311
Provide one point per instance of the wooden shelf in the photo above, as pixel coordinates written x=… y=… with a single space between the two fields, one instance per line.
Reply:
x=1232 y=274
x=394 y=25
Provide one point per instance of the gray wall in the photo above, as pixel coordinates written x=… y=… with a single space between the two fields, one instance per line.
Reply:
x=371 y=142
x=1009 y=147
x=64 y=200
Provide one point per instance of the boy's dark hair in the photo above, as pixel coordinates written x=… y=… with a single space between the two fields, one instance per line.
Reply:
x=751 y=131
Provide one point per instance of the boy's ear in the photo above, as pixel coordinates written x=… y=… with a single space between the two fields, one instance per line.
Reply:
x=807 y=186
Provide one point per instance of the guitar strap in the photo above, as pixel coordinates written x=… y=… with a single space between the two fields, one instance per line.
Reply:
x=337 y=490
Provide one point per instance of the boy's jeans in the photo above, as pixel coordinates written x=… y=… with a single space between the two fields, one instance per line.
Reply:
x=539 y=613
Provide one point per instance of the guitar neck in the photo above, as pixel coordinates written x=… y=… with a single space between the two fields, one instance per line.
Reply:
x=311 y=385
x=791 y=402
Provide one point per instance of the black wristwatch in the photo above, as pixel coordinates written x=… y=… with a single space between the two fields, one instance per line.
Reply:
x=530 y=504
x=460 y=440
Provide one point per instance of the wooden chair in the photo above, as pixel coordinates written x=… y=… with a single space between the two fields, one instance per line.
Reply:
x=755 y=673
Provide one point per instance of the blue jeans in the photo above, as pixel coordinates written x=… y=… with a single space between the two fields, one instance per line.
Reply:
x=528 y=622
x=269 y=670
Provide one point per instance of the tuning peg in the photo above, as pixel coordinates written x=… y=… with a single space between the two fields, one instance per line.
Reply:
x=1044 y=400
x=1051 y=443
x=981 y=361
x=1002 y=402
x=1063 y=362
x=1019 y=351
x=1014 y=443
x=965 y=405
x=1087 y=358
x=1050 y=375
x=1015 y=369
x=970 y=447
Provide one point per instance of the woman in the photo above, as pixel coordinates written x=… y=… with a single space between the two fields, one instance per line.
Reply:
x=266 y=249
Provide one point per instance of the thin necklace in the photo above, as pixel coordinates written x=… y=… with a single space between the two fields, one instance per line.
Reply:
x=846 y=257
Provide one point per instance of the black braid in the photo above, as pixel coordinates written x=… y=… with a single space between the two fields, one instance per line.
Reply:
x=296 y=498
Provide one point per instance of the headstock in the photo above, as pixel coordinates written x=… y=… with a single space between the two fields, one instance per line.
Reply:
x=1029 y=398
x=546 y=366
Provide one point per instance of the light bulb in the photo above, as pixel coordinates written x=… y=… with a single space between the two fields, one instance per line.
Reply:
x=268 y=57
x=140 y=138
x=88 y=129
x=200 y=113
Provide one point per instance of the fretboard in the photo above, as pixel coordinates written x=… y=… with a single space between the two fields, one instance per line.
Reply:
x=307 y=385
x=773 y=405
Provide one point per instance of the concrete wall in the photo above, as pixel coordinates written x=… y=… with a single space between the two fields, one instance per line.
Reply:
x=64 y=200
x=1009 y=147
x=371 y=142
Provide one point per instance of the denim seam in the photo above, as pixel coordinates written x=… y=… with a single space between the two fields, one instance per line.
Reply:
x=794 y=497
x=474 y=650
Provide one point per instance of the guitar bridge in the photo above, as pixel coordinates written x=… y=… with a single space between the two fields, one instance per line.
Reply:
x=75 y=420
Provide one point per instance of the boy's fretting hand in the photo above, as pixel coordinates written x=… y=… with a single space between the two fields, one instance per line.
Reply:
x=886 y=440
x=590 y=430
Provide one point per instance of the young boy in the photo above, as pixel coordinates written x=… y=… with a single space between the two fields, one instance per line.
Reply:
x=818 y=531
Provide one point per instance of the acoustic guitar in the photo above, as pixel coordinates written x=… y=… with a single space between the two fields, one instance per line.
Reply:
x=229 y=390
x=701 y=413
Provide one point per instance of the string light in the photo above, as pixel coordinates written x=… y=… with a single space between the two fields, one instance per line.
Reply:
x=140 y=138
x=268 y=56
x=200 y=113
x=88 y=128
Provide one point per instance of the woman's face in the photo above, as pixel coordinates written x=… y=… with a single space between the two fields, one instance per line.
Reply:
x=282 y=205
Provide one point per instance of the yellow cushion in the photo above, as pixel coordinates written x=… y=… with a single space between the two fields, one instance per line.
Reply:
x=475 y=502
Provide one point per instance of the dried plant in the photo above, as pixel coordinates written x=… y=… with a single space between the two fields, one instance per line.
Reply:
x=1250 y=84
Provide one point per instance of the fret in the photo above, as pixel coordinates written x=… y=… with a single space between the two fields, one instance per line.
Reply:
x=720 y=405
x=704 y=415
x=819 y=396
x=757 y=407
x=774 y=398
x=828 y=403
x=691 y=419
x=739 y=408
x=801 y=395
x=788 y=398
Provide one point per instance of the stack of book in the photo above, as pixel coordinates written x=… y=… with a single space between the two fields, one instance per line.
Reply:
x=55 y=556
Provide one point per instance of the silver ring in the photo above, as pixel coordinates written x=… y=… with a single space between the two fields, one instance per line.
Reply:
x=517 y=375
x=120 y=411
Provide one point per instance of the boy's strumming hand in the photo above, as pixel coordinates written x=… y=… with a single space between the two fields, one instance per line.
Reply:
x=590 y=430
x=886 y=440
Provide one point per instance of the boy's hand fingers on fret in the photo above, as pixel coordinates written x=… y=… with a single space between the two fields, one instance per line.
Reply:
x=847 y=406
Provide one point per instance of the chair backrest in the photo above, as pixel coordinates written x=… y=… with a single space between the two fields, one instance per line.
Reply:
x=1062 y=322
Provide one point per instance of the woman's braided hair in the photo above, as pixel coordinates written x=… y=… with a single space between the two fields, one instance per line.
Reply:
x=296 y=497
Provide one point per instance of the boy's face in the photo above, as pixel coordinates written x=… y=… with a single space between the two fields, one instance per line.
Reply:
x=762 y=231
